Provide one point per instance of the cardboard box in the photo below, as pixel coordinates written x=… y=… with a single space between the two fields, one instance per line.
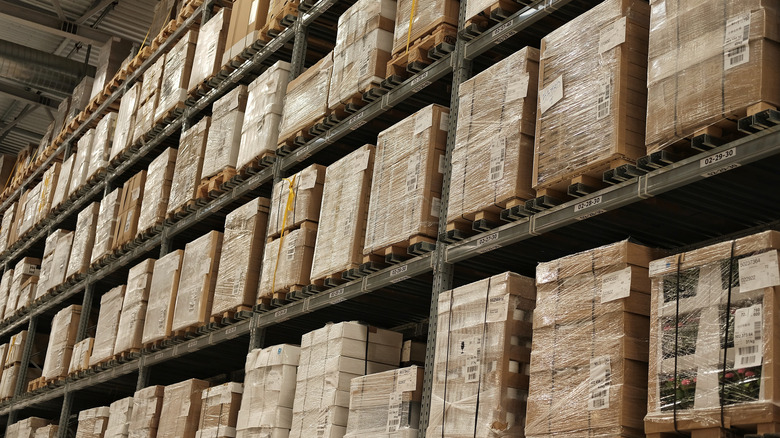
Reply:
x=287 y=262
x=25 y=271
x=5 y=289
x=427 y=16
x=195 y=294
x=108 y=325
x=131 y=321
x=63 y=182
x=189 y=164
x=93 y=422
x=224 y=137
x=48 y=186
x=176 y=74
x=129 y=210
x=181 y=406
x=306 y=186
x=157 y=190
x=162 y=297
x=210 y=47
x=63 y=337
x=16 y=345
x=234 y=40
x=306 y=99
x=112 y=54
x=78 y=177
x=82 y=351
x=120 y=414
x=60 y=258
x=26 y=428
x=147 y=406
x=50 y=431
x=11 y=376
x=219 y=411
x=101 y=145
x=83 y=240
x=82 y=94
x=47 y=265
x=125 y=121
x=107 y=222
x=5 y=227
x=144 y=118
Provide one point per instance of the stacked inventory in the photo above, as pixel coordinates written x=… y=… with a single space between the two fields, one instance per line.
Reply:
x=219 y=411
x=26 y=428
x=13 y=363
x=108 y=325
x=61 y=188
x=176 y=76
x=147 y=406
x=93 y=422
x=162 y=297
x=247 y=19
x=180 y=409
x=129 y=210
x=189 y=164
x=126 y=118
x=5 y=289
x=224 y=137
x=306 y=101
x=419 y=26
x=131 y=321
x=101 y=147
x=107 y=222
x=112 y=54
x=195 y=294
x=82 y=352
x=56 y=255
x=63 y=336
x=148 y=100
x=157 y=189
x=23 y=287
x=83 y=240
x=209 y=49
x=50 y=431
x=120 y=413
x=78 y=175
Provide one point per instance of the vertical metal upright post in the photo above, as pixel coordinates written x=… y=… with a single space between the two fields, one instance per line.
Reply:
x=298 y=61
x=86 y=309
x=21 y=379
x=67 y=407
x=256 y=335
x=143 y=375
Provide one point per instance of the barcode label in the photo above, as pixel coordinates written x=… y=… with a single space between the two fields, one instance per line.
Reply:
x=604 y=101
x=471 y=350
x=737 y=32
x=497 y=158
x=736 y=57
x=748 y=328
x=394 y=412
x=759 y=271
x=364 y=65
x=412 y=174
x=290 y=249
x=471 y=371
x=600 y=380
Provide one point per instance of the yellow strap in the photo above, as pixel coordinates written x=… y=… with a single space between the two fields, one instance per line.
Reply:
x=411 y=19
x=288 y=208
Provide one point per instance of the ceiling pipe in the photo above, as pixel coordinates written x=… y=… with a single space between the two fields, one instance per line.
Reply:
x=38 y=69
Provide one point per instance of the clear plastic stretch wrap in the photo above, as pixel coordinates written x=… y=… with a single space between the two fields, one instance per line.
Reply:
x=307 y=199
x=157 y=190
x=406 y=185
x=287 y=262
x=144 y=118
x=494 y=146
x=386 y=405
x=195 y=295
x=713 y=335
x=16 y=348
x=341 y=230
x=3 y=353
x=364 y=41
x=152 y=77
x=592 y=95
x=224 y=137
x=26 y=428
x=176 y=74
x=59 y=261
x=145 y=418
x=307 y=98
x=47 y=264
x=242 y=253
x=80 y=97
x=63 y=182
x=107 y=220
x=112 y=53
x=480 y=371
x=189 y=163
x=162 y=297
x=131 y=321
x=10 y=377
x=5 y=227
x=209 y=49
x=48 y=185
x=125 y=120
x=5 y=289
x=101 y=145
x=78 y=176
x=24 y=282
x=79 y=359
x=589 y=354
x=107 y=326
x=119 y=419
x=63 y=337
x=83 y=240
x=29 y=203
x=219 y=411
x=264 y=103
x=181 y=409
x=269 y=388
x=330 y=358
x=710 y=63
x=59 y=118
x=130 y=209
x=427 y=16
x=93 y=422
x=50 y=431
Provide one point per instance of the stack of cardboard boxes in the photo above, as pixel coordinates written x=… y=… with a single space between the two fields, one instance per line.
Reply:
x=131 y=320
x=195 y=294
x=108 y=325
x=129 y=210
x=157 y=190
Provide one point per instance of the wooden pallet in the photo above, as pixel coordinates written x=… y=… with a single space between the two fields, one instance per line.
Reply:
x=748 y=418
x=212 y=187
x=266 y=159
x=300 y=137
x=230 y=316
x=188 y=332
x=401 y=251
x=169 y=115
x=498 y=11
x=442 y=37
x=35 y=384
x=276 y=234
x=280 y=22
x=154 y=345
x=187 y=208
x=127 y=356
x=277 y=299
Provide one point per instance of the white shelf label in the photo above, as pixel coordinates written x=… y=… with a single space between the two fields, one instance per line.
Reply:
x=759 y=271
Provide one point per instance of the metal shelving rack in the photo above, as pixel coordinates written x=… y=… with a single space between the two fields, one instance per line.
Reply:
x=685 y=204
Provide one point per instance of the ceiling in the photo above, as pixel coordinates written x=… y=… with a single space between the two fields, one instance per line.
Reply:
x=36 y=24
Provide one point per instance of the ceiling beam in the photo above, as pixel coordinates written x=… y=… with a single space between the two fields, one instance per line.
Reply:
x=45 y=22
x=58 y=8
x=94 y=10
x=26 y=133
x=27 y=96
x=6 y=128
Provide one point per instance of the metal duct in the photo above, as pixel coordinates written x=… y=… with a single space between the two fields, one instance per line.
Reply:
x=38 y=69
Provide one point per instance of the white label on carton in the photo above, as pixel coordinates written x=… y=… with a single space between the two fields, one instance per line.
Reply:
x=435 y=206
x=361 y=161
x=748 y=325
x=308 y=180
x=612 y=35
x=407 y=380
x=604 y=100
x=497 y=158
x=394 y=411
x=471 y=350
x=517 y=89
x=736 y=57
x=759 y=271
x=290 y=249
x=736 y=48
x=551 y=94
x=412 y=173
x=253 y=12
x=600 y=379
x=422 y=122
x=98 y=427
x=497 y=309
x=616 y=285
x=444 y=123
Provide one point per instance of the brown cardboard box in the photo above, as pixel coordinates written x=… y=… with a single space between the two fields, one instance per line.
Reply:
x=219 y=411
x=176 y=75
x=107 y=223
x=224 y=139
x=234 y=41
x=147 y=406
x=427 y=15
x=289 y=266
x=10 y=377
x=63 y=337
x=112 y=54
x=181 y=408
x=16 y=345
x=131 y=321
x=307 y=98
x=210 y=48
x=162 y=297
x=130 y=209
x=83 y=240
x=189 y=164
x=93 y=422
x=157 y=190
x=26 y=428
x=82 y=351
x=195 y=294
x=108 y=325
x=307 y=199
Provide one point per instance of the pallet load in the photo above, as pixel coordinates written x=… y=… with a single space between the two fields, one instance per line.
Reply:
x=26 y=428
x=195 y=294
x=80 y=98
x=5 y=228
x=107 y=222
x=713 y=334
x=239 y=264
x=13 y=366
x=703 y=79
x=407 y=182
x=176 y=76
x=129 y=210
x=281 y=14
x=131 y=321
x=49 y=431
x=592 y=98
x=112 y=55
x=147 y=406
x=24 y=282
x=224 y=139
x=162 y=298
x=125 y=121
x=296 y=200
x=494 y=146
x=63 y=182
x=330 y=358
x=246 y=19
x=5 y=290
x=78 y=176
x=148 y=100
x=101 y=147
x=157 y=190
x=181 y=407
x=219 y=411
x=63 y=337
x=120 y=413
x=286 y=264
x=93 y=422
x=341 y=230
x=433 y=23
x=56 y=255
x=188 y=167
x=83 y=241
x=269 y=388
x=46 y=193
x=364 y=40
x=107 y=326
x=386 y=404
x=590 y=330
x=306 y=102
x=481 y=357
x=481 y=12
x=28 y=204
x=79 y=360
x=212 y=37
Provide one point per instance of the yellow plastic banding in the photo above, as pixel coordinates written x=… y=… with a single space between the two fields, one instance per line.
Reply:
x=287 y=208
x=411 y=20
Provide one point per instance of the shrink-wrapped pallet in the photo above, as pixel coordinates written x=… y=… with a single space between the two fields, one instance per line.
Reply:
x=26 y=428
x=112 y=54
x=287 y=262
x=307 y=99
x=181 y=408
x=176 y=74
x=3 y=353
x=63 y=182
x=5 y=289
x=83 y=240
x=423 y=17
x=588 y=357
x=341 y=230
x=29 y=203
x=219 y=411
x=480 y=380
x=131 y=321
x=269 y=388
x=306 y=188
x=79 y=359
x=145 y=418
x=59 y=118
x=242 y=253
x=162 y=297
x=129 y=210
x=592 y=95
x=16 y=348
x=47 y=264
x=63 y=337
x=60 y=258
x=48 y=185
x=494 y=146
x=101 y=145
x=144 y=118
x=386 y=404
x=11 y=376
x=710 y=63
x=80 y=98
x=152 y=77
x=210 y=47
x=50 y=431
x=406 y=185
x=5 y=228
x=107 y=220
x=26 y=271
x=330 y=358
x=189 y=164
x=195 y=294
x=264 y=103
x=107 y=326
x=157 y=190
x=93 y=422
x=78 y=176
x=125 y=120
x=224 y=137
x=119 y=419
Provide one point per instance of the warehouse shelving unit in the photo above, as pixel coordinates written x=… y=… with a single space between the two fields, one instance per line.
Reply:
x=685 y=204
